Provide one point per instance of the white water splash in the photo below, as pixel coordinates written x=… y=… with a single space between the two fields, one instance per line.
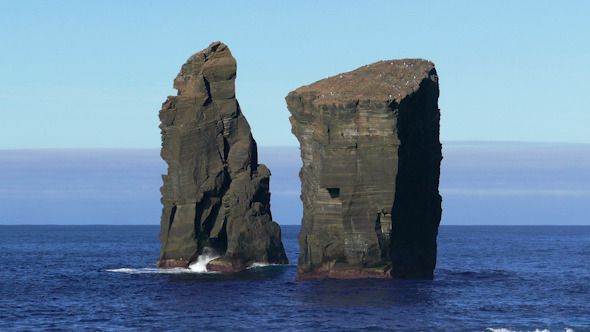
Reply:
x=149 y=270
x=200 y=266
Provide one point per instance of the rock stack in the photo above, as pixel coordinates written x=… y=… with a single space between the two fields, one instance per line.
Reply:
x=371 y=163
x=216 y=196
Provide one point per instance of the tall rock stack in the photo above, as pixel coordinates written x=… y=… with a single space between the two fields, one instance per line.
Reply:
x=371 y=163
x=215 y=195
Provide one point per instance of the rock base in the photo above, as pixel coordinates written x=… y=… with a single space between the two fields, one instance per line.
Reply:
x=225 y=265
x=172 y=263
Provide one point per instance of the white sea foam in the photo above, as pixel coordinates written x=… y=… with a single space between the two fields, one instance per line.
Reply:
x=197 y=267
x=262 y=265
x=200 y=266
x=257 y=265
x=148 y=270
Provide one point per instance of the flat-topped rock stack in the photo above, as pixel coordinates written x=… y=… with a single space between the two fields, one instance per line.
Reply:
x=371 y=163
x=216 y=196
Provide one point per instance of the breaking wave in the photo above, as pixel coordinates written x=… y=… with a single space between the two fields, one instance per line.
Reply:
x=200 y=266
x=149 y=270
x=197 y=267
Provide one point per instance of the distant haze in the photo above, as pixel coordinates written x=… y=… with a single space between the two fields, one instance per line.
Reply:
x=481 y=183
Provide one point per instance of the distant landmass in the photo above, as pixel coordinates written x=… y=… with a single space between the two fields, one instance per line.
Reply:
x=483 y=183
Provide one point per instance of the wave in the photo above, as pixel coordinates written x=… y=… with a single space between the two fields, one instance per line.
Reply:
x=200 y=266
x=195 y=268
x=482 y=274
x=510 y=330
x=262 y=265
x=149 y=270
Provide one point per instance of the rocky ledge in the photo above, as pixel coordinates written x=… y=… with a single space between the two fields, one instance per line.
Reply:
x=371 y=163
x=216 y=196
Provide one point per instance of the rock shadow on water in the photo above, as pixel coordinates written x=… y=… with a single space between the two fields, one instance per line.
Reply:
x=367 y=292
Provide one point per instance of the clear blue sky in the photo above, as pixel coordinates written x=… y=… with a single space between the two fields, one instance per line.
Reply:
x=94 y=73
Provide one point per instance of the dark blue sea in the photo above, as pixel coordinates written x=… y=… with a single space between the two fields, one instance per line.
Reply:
x=488 y=278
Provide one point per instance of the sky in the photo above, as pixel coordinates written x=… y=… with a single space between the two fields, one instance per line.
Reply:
x=93 y=74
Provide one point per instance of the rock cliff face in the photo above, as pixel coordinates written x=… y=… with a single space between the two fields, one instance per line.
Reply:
x=371 y=163
x=215 y=194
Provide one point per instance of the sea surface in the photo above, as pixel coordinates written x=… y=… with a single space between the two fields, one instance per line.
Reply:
x=488 y=278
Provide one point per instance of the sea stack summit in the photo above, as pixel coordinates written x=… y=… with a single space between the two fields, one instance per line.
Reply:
x=371 y=164
x=215 y=194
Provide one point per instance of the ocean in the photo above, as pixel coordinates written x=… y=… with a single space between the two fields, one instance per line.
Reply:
x=103 y=277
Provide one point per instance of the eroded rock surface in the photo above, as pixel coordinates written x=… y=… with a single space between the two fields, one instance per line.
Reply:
x=371 y=163
x=215 y=194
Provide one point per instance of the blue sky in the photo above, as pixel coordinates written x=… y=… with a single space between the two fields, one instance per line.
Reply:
x=87 y=74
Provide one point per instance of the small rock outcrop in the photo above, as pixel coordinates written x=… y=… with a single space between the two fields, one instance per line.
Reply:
x=216 y=196
x=371 y=163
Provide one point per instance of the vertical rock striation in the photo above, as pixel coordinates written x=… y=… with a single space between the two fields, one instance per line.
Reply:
x=371 y=163
x=215 y=194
